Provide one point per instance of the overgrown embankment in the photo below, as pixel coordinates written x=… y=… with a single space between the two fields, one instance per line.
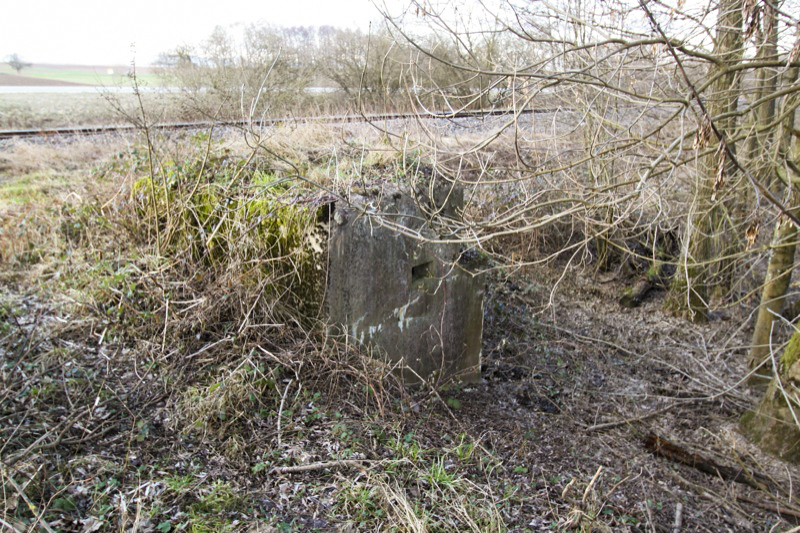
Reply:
x=163 y=365
x=162 y=368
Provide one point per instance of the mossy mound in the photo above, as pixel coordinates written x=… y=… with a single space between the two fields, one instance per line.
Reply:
x=773 y=425
x=243 y=226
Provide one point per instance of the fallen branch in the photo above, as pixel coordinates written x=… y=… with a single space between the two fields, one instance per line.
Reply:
x=781 y=509
x=784 y=510
x=350 y=463
x=626 y=421
x=664 y=448
x=731 y=505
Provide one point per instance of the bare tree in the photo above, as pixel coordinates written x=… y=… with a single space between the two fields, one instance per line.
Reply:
x=631 y=122
x=15 y=62
x=640 y=99
x=366 y=67
x=694 y=283
x=226 y=78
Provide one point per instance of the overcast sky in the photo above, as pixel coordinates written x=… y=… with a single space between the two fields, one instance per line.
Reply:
x=114 y=32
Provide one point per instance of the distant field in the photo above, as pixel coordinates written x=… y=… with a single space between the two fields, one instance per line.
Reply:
x=33 y=111
x=109 y=76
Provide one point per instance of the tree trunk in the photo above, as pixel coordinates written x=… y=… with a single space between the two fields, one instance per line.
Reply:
x=774 y=425
x=784 y=244
x=693 y=282
x=776 y=283
x=767 y=81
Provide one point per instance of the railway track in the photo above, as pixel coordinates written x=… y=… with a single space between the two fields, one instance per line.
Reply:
x=330 y=119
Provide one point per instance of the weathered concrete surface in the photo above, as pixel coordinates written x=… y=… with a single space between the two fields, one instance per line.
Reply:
x=411 y=299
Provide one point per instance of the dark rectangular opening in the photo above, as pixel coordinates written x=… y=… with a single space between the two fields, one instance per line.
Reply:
x=422 y=271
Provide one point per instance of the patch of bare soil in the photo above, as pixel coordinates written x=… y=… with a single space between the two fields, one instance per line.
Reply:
x=17 y=80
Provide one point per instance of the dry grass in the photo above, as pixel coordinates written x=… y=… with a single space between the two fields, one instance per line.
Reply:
x=54 y=155
x=56 y=110
x=173 y=346
x=158 y=372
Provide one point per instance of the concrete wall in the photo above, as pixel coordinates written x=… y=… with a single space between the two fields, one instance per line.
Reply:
x=409 y=298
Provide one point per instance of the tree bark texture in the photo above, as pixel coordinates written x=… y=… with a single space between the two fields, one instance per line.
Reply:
x=776 y=283
x=784 y=244
x=693 y=282
x=773 y=426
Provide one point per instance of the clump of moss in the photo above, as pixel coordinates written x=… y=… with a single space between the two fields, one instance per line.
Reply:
x=790 y=357
x=240 y=223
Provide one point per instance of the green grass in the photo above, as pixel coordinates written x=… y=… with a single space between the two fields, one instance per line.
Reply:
x=30 y=189
x=86 y=75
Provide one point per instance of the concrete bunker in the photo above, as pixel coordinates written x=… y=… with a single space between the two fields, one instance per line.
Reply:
x=414 y=299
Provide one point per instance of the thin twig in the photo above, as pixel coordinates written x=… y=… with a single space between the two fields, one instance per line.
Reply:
x=781 y=509
x=208 y=347
x=280 y=411
x=36 y=445
x=705 y=492
x=720 y=135
x=166 y=323
x=627 y=421
x=676 y=526
x=9 y=526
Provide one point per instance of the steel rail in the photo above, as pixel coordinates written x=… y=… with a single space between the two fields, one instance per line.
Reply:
x=330 y=119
